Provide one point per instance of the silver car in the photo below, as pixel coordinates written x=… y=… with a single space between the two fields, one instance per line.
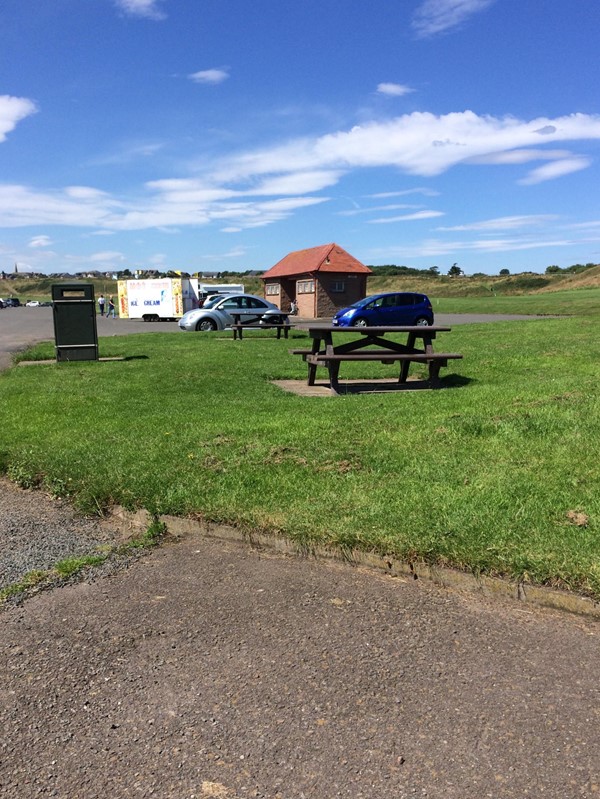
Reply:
x=224 y=310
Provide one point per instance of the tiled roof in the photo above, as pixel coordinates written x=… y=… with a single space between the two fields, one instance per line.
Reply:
x=326 y=258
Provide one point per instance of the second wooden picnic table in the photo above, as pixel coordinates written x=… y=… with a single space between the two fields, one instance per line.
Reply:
x=371 y=344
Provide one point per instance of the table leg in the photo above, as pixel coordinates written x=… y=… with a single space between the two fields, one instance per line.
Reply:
x=312 y=373
x=405 y=366
x=434 y=372
x=334 y=370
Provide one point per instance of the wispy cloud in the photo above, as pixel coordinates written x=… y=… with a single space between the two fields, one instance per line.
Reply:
x=148 y=9
x=555 y=170
x=394 y=89
x=377 y=208
x=434 y=247
x=520 y=156
x=439 y=16
x=504 y=223
x=127 y=153
x=209 y=76
x=39 y=241
x=12 y=111
x=407 y=217
x=108 y=256
x=167 y=204
x=297 y=183
x=424 y=191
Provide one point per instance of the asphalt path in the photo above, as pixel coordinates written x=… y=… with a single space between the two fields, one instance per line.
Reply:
x=22 y=327
x=213 y=669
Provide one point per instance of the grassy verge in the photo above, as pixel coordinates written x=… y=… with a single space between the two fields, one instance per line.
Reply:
x=499 y=475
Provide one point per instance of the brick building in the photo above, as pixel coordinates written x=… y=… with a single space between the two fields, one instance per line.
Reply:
x=321 y=280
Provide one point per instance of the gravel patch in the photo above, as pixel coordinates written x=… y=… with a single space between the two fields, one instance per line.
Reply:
x=37 y=531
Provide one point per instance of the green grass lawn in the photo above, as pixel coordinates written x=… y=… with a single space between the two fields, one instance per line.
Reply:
x=579 y=302
x=498 y=473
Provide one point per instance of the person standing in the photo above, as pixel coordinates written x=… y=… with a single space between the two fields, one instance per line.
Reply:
x=101 y=304
x=111 y=307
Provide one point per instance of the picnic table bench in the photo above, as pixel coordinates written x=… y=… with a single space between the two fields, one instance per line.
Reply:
x=238 y=327
x=371 y=344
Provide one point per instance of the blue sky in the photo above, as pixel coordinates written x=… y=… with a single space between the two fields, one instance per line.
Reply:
x=204 y=135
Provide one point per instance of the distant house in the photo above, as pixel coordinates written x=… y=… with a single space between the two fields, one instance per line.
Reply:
x=321 y=280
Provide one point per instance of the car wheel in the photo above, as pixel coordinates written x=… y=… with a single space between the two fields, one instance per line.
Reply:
x=360 y=321
x=422 y=321
x=206 y=324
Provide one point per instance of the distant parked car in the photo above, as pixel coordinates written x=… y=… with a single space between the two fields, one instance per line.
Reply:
x=217 y=312
x=32 y=304
x=12 y=302
x=394 y=308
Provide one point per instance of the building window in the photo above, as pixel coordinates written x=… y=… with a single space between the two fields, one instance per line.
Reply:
x=305 y=287
x=338 y=287
x=272 y=289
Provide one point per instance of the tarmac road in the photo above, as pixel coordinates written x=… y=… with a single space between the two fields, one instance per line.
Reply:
x=212 y=669
x=21 y=327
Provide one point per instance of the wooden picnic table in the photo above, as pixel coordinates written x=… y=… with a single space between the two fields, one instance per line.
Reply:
x=371 y=344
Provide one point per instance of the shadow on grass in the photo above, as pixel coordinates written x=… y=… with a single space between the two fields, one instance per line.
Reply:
x=376 y=387
x=456 y=381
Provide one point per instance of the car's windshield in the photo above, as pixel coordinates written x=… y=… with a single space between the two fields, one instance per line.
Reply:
x=361 y=303
x=210 y=303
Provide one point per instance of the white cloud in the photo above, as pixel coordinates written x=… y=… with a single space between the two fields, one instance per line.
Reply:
x=297 y=183
x=128 y=152
x=12 y=111
x=168 y=204
x=520 y=156
x=149 y=9
x=371 y=209
x=555 y=170
x=39 y=241
x=209 y=76
x=394 y=89
x=425 y=192
x=439 y=16
x=21 y=206
x=504 y=223
x=255 y=188
x=420 y=143
x=85 y=193
x=434 y=247
x=407 y=217
x=109 y=256
x=583 y=225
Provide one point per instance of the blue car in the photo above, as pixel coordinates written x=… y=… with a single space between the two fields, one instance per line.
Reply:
x=397 y=308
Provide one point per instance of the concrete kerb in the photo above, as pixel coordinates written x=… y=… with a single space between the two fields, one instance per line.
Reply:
x=131 y=523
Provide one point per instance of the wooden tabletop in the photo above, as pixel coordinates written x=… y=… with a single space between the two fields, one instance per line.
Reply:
x=373 y=329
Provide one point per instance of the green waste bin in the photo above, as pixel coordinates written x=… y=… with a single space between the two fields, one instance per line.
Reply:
x=74 y=312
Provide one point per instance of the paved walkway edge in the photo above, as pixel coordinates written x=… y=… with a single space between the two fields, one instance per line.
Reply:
x=131 y=522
